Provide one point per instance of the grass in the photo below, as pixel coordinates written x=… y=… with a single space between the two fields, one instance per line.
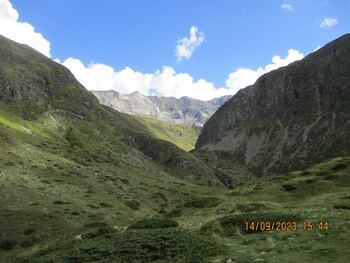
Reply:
x=132 y=246
x=52 y=193
x=75 y=182
x=183 y=136
x=154 y=223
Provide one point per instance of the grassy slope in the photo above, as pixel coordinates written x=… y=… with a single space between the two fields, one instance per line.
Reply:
x=59 y=198
x=62 y=176
x=183 y=136
x=54 y=187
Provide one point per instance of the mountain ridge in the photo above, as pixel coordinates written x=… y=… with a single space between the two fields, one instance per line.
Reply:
x=291 y=117
x=184 y=110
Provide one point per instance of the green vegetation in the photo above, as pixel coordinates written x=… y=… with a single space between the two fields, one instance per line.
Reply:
x=163 y=245
x=203 y=203
x=183 y=136
x=154 y=223
x=133 y=204
x=208 y=232
x=82 y=183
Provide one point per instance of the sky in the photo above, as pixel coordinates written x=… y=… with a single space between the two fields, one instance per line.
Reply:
x=199 y=48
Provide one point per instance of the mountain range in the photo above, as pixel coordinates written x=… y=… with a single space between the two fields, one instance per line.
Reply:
x=185 y=110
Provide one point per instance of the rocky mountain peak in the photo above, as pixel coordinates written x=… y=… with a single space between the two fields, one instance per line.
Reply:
x=185 y=110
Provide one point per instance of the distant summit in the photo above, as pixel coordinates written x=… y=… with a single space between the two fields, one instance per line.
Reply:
x=185 y=110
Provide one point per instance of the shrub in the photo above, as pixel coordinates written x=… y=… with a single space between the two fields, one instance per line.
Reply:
x=73 y=137
x=176 y=212
x=29 y=231
x=95 y=224
x=26 y=243
x=132 y=204
x=93 y=206
x=203 y=203
x=105 y=205
x=154 y=223
x=289 y=187
x=343 y=207
x=59 y=202
x=7 y=244
x=153 y=245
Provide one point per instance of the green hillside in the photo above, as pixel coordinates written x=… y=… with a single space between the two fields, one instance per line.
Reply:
x=210 y=225
x=182 y=136
x=81 y=182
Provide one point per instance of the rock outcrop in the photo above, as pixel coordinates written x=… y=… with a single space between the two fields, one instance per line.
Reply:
x=185 y=110
x=291 y=117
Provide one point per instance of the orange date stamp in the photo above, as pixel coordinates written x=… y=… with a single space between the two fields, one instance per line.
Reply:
x=261 y=226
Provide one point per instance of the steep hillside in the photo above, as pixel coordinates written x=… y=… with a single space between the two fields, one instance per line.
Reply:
x=290 y=118
x=183 y=136
x=33 y=87
x=69 y=164
x=185 y=110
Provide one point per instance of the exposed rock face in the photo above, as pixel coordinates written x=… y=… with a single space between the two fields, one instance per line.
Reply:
x=184 y=110
x=37 y=84
x=291 y=117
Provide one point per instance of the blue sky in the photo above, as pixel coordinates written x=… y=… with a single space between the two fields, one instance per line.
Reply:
x=143 y=35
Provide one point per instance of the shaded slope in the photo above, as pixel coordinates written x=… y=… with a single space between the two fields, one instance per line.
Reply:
x=31 y=85
x=291 y=117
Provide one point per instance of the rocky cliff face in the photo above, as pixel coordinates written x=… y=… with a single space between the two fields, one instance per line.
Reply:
x=32 y=84
x=185 y=110
x=290 y=117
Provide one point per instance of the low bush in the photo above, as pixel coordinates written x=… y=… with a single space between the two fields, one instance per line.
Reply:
x=7 y=244
x=176 y=212
x=105 y=205
x=154 y=223
x=29 y=231
x=59 y=202
x=289 y=187
x=342 y=206
x=26 y=243
x=156 y=245
x=95 y=224
x=132 y=204
x=203 y=203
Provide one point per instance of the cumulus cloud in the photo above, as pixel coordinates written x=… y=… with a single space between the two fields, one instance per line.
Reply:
x=244 y=77
x=328 y=22
x=165 y=82
x=287 y=7
x=20 y=32
x=187 y=45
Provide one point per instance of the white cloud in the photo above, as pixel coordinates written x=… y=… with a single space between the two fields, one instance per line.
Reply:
x=20 y=32
x=287 y=7
x=328 y=22
x=186 y=46
x=244 y=77
x=165 y=82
